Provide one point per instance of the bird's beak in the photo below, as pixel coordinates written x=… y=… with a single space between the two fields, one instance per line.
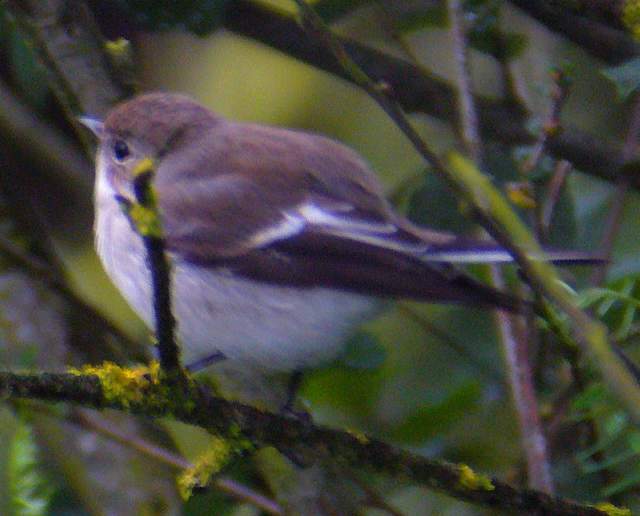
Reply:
x=94 y=125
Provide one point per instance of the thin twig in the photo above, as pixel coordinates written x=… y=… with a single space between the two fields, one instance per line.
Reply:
x=515 y=91
x=618 y=200
x=98 y=424
x=552 y=196
x=608 y=43
x=374 y=500
x=467 y=114
x=226 y=485
x=514 y=342
x=534 y=443
x=551 y=125
x=417 y=91
x=432 y=329
x=68 y=43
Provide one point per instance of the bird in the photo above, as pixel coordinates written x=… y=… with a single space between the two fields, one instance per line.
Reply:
x=281 y=241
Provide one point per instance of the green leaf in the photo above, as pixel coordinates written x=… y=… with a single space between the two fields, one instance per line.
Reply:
x=617 y=304
x=634 y=441
x=629 y=481
x=563 y=227
x=432 y=420
x=625 y=77
x=587 y=399
x=514 y=45
x=29 y=491
x=434 y=205
x=432 y=17
x=327 y=387
x=504 y=46
x=486 y=35
x=26 y=72
x=363 y=351
x=616 y=423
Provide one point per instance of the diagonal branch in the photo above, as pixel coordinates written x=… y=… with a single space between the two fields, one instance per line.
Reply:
x=599 y=39
x=67 y=42
x=417 y=91
x=513 y=339
x=78 y=80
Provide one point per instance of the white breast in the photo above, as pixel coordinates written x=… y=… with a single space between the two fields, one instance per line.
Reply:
x=271 y=327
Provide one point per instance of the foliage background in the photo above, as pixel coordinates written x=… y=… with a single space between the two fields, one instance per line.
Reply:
x=401 y=380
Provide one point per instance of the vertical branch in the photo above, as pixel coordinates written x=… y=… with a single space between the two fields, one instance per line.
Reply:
x=614 y=221
x=550 y=200
x=144 y=216
x=514 y=342
x=466 y=106
x=520 y=378
x=551 y=126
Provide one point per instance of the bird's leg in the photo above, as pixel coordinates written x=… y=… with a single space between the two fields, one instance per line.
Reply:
x=295 y=381
x=203 y=363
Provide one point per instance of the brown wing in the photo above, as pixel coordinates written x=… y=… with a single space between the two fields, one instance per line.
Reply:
x=247 y=187
x=300 y=210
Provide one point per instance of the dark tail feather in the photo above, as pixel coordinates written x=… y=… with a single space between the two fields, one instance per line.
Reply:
x=469 y=251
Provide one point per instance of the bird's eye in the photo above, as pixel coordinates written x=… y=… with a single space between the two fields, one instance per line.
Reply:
x=121 y=150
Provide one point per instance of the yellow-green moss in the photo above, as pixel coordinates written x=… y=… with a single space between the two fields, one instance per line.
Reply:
x=208 y=464
x=469 y=479
x=612 y=510
x=145 y=220
x=521 y=195
x=126 y=385
x=631 y=17
x=145 y=216
x=277 y=471
x=237 y=439
x=359 y=436
x=119 y=50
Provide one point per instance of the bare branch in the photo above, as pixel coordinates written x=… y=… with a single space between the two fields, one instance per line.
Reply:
x=69 y=45
x=618 y=200
x=467 y=114
x=417 y=91
x=225 y=485
x=599 y=39
x=513 y=339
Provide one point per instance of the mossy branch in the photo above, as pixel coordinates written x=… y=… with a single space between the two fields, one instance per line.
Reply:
x=144 y=393
x=542 y=276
